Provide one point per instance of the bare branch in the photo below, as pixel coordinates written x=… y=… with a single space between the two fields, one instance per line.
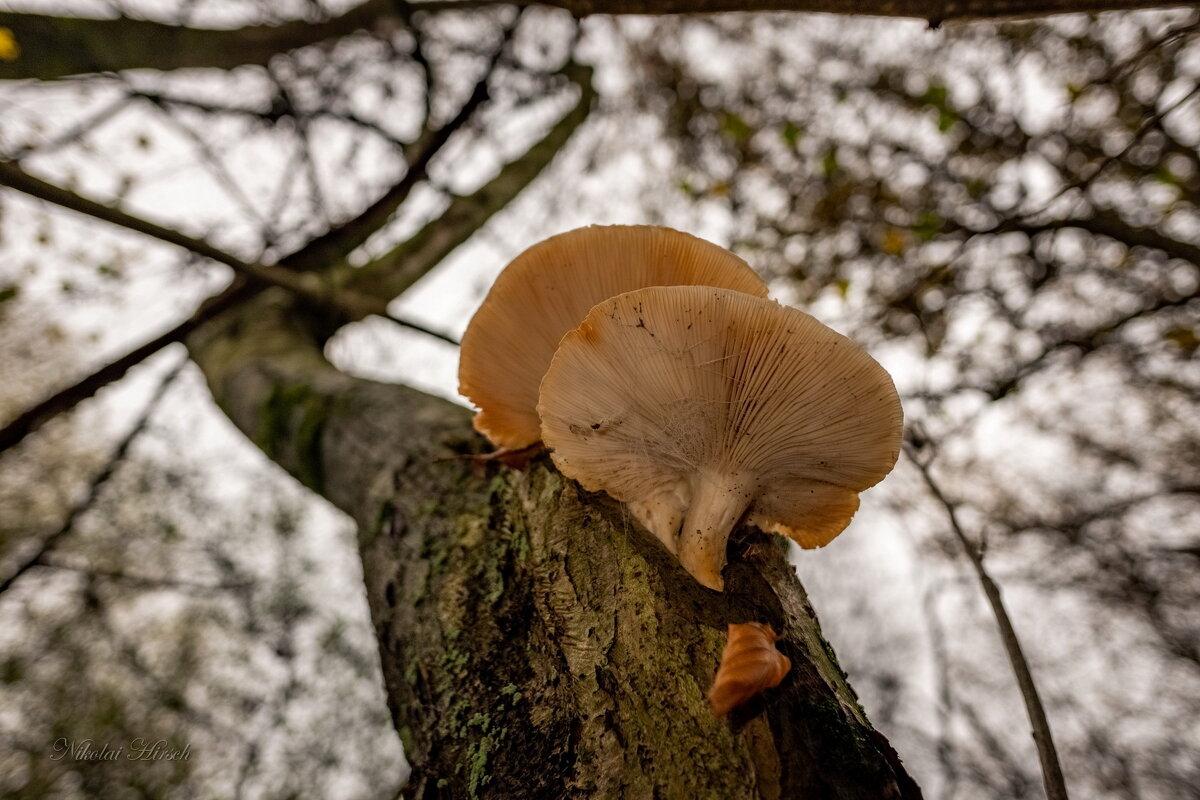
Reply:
x=304 y=285
x=1150 y=123
x=55 y=47
x=270 y=115
x=1083 y=342
x=137 y=581
x=1052 y=777
x=1109 y=224
x=97 y=483
x=329 y=248
x=339 y=241
x=307 y=286
x=65 y=399
x=75 y=132
x=394 y=272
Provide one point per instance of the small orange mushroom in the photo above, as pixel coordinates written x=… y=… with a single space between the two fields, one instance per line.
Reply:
x=750 y=665
x=548 y=289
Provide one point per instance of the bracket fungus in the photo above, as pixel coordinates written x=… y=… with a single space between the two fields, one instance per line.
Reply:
x=545 y=293
x=703 y=408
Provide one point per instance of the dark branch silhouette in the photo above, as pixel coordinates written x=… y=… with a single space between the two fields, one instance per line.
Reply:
x=67 y=398
x=96 y=485
x=1055 y=785
x=328 y=248
x=58 y=47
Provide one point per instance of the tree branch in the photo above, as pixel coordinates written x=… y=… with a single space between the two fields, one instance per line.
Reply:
x=309 y=287
x=1109 y=224
x=339 y=241
x=430 y=247
x=1101 y=223
x=397 y=270
x=1085 y=342
x=97 y=483
x=65 y=399
x=1052 y=777
x=264 y=115
x=56 y=47
x=935 y=11
x=143 y=582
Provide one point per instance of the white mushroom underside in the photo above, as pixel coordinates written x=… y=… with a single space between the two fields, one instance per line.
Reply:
x=702 y=408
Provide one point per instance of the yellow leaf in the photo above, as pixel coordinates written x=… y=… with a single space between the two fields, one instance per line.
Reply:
x=9 y=49
x=893 y=242
x=1184 y=337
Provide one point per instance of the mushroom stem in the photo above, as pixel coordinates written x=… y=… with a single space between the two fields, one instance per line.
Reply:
x=719 y=502
x=662 y=514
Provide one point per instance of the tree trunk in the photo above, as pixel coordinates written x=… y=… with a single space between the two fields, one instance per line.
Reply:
x=535 y=641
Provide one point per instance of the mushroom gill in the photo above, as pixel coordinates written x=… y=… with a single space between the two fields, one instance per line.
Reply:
x=703 y=408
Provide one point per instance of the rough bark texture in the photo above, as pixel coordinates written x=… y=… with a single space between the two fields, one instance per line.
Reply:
x=535 y=642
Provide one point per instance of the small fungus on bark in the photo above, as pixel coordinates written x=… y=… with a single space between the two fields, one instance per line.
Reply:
x=703 y=408
x=548 y=289
x=750 y=665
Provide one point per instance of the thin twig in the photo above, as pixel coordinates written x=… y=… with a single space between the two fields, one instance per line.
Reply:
x=62 y=401
x=216 y=168
x=1052 y=777
x=301 y=285
x=330 y=247
x=1084 y=183
x=271 y=116
x=73 y=133
x=316 y=191
x=137 y=581
x=97 y=483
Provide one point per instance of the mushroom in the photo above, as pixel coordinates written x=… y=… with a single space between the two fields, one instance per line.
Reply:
x=750 y=665
x=549 y=288
x=701 y=408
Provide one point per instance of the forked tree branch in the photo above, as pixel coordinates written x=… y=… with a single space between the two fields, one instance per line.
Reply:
x=392 y=273
x=332 y=247
x=36 y=555
x=308 y=286
x=67 y=398
x=322 y=252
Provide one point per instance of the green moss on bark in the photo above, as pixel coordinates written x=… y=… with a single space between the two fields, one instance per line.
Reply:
x=290 y=426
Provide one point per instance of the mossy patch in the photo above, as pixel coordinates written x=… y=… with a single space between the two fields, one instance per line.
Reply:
x=290 y=425
x=477 y=759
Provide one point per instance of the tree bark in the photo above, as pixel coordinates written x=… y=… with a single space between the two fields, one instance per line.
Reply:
x=535 y=641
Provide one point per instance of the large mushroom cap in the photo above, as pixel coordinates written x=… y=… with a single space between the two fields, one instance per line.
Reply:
x=702 y=407
x=547 y=290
